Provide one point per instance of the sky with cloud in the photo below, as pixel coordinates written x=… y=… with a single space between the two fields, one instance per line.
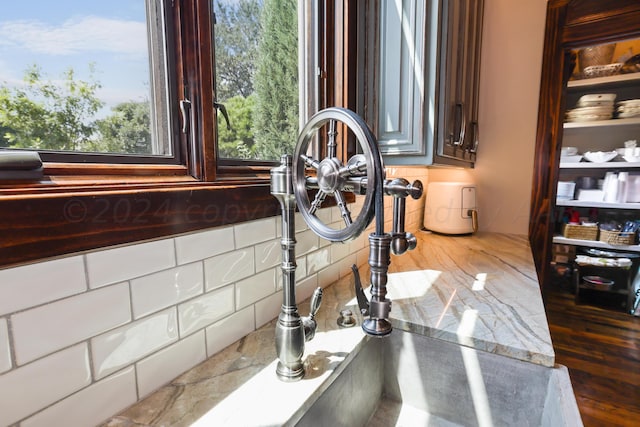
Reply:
x=111 y=34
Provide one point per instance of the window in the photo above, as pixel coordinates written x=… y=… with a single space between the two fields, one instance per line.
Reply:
x=89 y=78
x=184 y=180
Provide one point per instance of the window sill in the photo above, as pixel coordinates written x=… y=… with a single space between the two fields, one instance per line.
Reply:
x=73 y=214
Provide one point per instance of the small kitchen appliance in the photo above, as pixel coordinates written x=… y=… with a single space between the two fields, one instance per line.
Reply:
x=451 y=208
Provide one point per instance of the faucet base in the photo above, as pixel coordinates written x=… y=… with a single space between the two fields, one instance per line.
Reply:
x=289 y=373
x=377 y=327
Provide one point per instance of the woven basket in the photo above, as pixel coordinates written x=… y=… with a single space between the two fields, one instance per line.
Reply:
x=582 y=232
x=617 y=237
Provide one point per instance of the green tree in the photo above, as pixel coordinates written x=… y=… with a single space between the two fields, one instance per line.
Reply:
x=238 y=142
x=276 y=83
x=43 y=115
x=126 y=130
x=236 y=43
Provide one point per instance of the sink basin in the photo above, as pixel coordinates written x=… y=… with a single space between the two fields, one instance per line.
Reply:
x=410 y=379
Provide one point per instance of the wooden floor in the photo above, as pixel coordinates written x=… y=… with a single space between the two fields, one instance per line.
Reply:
x=601 y=348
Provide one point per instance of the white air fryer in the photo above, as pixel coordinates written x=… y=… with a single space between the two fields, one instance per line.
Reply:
x=450 y=208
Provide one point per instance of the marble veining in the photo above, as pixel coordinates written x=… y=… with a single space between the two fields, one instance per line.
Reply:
x=478 y=291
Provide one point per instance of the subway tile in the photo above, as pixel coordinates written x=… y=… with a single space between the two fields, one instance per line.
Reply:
x=339 y=251
x=92 y=405
x=163 y=366
x=5 y=351
x=307 y=241
x=268 y=255
x=252 y=232
x=203 y=311
x=268 y=308
x=344 y=265
x=50 y=327
x=318 y=260
x=328 y=275
x=116 y=265
x=202 y=245
x=123 y=346
x=228 y=268
x=43 y=282
x=259 y=286
x=305 y=288
x=32 y=387
x=170 y=287
x=229 y=330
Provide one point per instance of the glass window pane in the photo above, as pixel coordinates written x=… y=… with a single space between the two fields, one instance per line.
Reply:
x=76 y=76
x=256 y=44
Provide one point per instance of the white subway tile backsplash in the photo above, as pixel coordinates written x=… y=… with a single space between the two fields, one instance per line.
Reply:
x=123 y=346
x=160 y=290
x=307 y=241
x=229 y=330
x=163 y=366
x=5 y=351
x=32 y=387
x=256 y=287
x=227 y=268
x=329 y=275
x=268 y=308
x=199 y=246
x=318 y=260
x=203 y=311
x=305 y=288
x=51 y=327
x=35 y=284
x=252 y=232
x=128 y=262
x=339 y=251
x=92 y=405
x=268 y=255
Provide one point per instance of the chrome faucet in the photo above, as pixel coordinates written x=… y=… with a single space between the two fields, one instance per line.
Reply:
x=291 y=330
x=363 y=174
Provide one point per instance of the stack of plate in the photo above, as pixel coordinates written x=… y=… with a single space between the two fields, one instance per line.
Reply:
x=596 y=106
x=629 y=108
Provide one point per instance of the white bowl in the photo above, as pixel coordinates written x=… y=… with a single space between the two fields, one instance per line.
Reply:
x=600 y=156
x=571 y=159
x=569 y=151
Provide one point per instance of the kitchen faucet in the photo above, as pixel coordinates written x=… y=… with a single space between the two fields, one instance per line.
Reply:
x=363 y=174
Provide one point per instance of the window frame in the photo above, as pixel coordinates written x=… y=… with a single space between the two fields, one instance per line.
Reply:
x=80 y=207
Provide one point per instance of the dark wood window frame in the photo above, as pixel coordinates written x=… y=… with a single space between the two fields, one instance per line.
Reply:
x=84 y=206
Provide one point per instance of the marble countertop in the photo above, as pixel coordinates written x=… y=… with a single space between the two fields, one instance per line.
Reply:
x=479 y=291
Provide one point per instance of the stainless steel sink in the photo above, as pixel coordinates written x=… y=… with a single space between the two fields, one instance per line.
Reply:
x=409 y=379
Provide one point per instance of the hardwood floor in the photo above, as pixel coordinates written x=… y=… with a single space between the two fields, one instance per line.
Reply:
x=601 y=349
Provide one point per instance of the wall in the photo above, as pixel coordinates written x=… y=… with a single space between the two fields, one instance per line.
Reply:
x=87 y=335
x=512 y=44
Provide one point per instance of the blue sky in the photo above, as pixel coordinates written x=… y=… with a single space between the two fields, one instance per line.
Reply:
x=73 y=33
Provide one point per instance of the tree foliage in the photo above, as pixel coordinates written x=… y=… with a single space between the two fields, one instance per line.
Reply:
x=47 y=116
x=238 y=142
x=126 y=130
x=276 y=84
x=236 y=43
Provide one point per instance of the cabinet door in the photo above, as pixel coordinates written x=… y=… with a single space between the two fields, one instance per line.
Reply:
x=458 y=134
x=429 y=57
x=406 y=60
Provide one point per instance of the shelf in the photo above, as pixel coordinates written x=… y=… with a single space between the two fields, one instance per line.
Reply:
x=594 y=244
x=602 y=123
x=603 y=81
x=587 y=204
x=611 y=291
x=606 y=165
